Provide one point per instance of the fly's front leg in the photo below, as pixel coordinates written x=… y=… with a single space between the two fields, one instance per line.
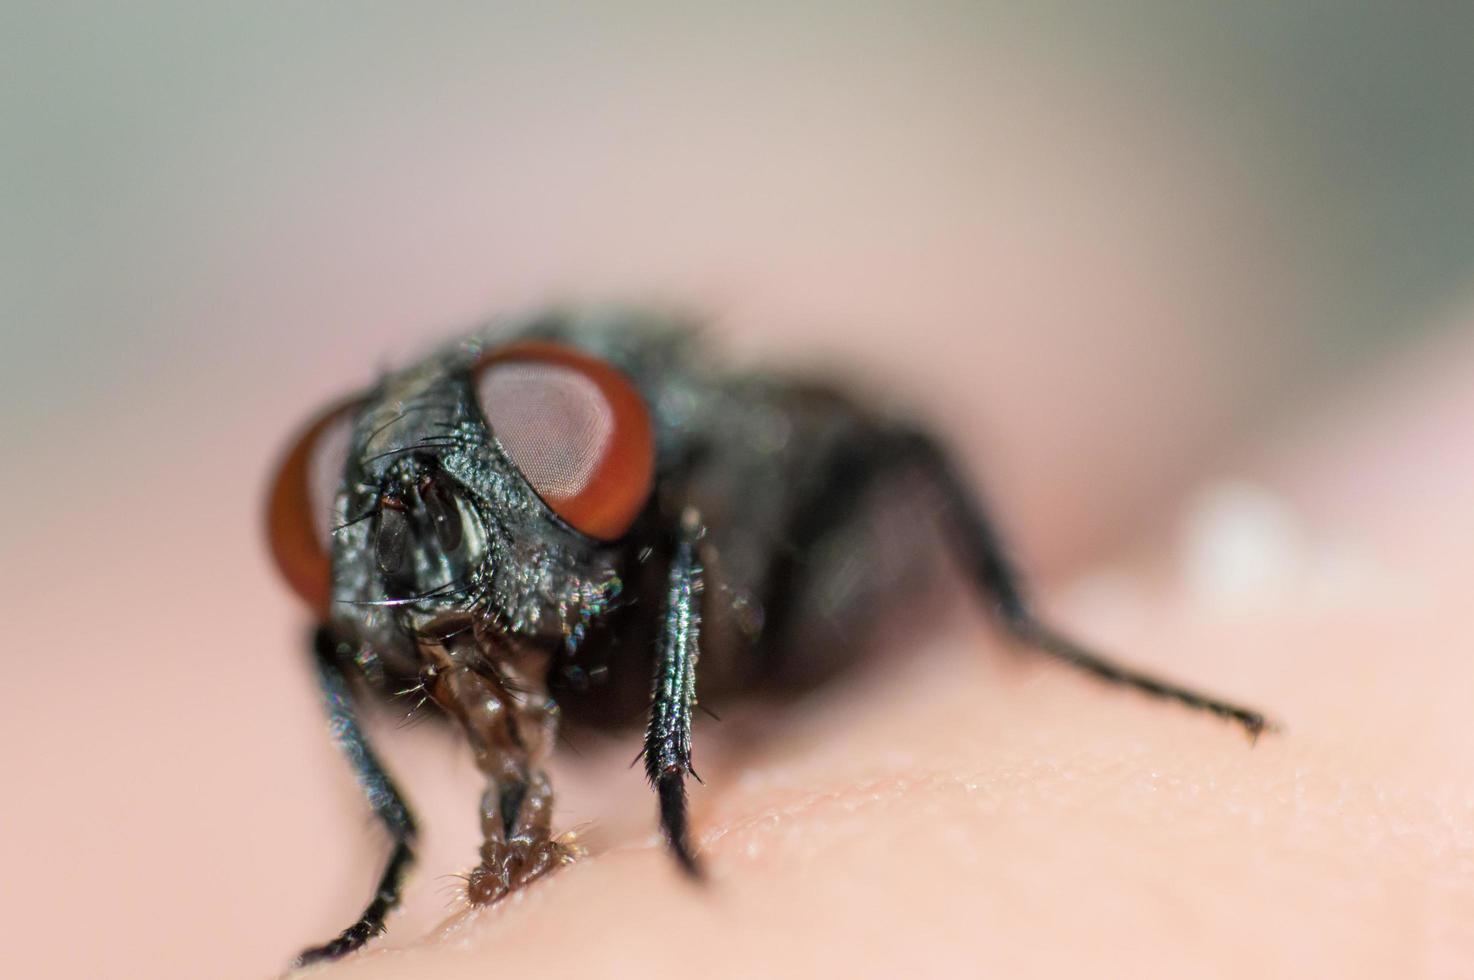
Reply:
x=986 y=562
x=380 y=791
x=668 y=737
x=510 y=722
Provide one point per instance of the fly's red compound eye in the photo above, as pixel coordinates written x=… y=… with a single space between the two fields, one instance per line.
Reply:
x=299 y=513
x=576 y=428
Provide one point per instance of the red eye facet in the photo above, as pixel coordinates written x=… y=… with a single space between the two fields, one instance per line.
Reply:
x=576 y=428
x=299 y=513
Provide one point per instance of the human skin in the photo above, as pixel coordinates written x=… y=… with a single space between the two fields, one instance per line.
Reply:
x=962 y=809
x=956 y=808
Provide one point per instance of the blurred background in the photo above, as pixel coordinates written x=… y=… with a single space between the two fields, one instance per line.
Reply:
x=1102 y=246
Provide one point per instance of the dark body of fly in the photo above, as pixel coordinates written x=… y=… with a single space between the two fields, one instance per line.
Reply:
x=563 y=518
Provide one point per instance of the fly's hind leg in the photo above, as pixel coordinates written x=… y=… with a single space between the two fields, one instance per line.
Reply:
x=985 y=560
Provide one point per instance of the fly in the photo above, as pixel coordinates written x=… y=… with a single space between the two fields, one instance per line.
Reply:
x=561 y=518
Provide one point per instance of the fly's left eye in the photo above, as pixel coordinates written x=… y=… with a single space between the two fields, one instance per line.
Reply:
x=299 y=513
x=576 y=428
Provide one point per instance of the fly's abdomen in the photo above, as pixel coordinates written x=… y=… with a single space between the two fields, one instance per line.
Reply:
x=817 y=531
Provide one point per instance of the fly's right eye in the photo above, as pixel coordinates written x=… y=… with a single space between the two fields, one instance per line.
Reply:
x=576 y=428
x=299 y=513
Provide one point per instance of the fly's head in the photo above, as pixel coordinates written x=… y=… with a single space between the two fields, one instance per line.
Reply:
x=481 y=492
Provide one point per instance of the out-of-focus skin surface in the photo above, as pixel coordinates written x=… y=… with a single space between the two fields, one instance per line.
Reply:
x=1112 y=260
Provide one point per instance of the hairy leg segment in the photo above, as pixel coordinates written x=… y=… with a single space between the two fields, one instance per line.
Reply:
x=382 y=795
x=984 y=559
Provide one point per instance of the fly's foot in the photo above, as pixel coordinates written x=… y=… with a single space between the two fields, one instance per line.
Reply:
x=509 y=865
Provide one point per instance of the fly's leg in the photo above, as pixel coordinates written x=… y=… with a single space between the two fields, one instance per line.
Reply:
x=986 y=562
x=383 y=799
x=510 y=723
x=668 y=737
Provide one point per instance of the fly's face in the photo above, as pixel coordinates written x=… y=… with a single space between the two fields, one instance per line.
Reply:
x=481 y=489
